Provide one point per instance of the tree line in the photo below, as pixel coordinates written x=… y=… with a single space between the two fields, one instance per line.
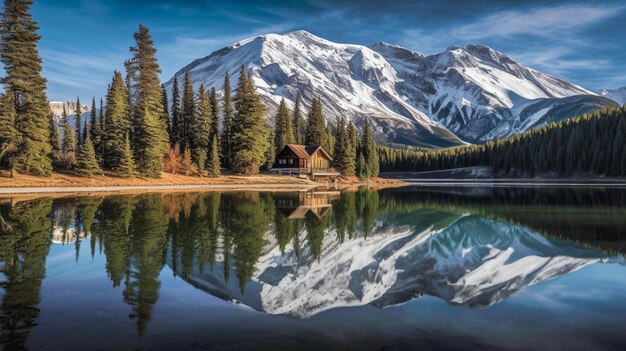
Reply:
x=138 y=131
x=593 y=144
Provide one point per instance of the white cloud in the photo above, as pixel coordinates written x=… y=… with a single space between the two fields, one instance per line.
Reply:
x=545 y=21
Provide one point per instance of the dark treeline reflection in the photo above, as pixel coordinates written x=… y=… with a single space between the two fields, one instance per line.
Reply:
x=139 y=234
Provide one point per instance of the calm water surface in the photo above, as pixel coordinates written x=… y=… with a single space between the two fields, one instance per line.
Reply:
x=406 y=268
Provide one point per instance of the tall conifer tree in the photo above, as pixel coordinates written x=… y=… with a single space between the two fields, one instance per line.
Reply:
x=8 y=134
x=78 y=119
x=188 y=113
x=55 y=136
x=86 y=162
x=117 y=123
x=176 y=134
x=150 y=130
x=213 y=163
x=215 y=128
x=202 y=130
x=249 y=133
x=316 y=128
x=299 y=124
x=26 y=87
x=283 y=128
x=69 y=138
x=228 y=116
x=370 y=151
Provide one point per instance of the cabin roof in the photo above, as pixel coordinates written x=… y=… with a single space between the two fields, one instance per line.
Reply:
x=303 y=151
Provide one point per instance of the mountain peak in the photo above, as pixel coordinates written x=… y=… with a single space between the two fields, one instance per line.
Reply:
x=471 y=93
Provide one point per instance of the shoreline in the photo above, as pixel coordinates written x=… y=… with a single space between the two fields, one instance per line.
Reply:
x=511 y=182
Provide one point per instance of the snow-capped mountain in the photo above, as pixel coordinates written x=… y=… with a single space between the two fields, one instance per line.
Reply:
x=462 y=259
x=617 y=95
x=462 y=94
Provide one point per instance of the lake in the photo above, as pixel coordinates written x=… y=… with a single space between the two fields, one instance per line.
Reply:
x=403 y=268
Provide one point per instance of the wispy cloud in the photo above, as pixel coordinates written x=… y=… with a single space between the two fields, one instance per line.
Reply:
x=544 y=21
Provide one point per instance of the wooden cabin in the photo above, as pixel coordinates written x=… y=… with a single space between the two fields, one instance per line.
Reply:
x=309 y=160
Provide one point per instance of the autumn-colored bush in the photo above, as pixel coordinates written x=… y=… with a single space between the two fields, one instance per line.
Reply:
x=176 y=163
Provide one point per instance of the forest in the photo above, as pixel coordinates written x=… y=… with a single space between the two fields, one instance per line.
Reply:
x=592 y=145
x=137 y=131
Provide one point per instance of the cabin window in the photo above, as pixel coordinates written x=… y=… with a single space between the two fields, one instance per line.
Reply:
x=291 y=161
x=281 y=161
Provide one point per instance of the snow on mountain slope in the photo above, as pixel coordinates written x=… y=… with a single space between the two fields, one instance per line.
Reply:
x=617 y=95
x=473 y=93
x=476 y=92
x=351 y=80
x=462 y=259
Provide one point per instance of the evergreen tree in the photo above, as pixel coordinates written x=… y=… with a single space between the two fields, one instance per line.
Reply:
x=249 y=134
x=316 y=128
x=270 y=152
x=78 y=111
x=55 y=137
x=95 y=130
x=215 y=129
x=176 y=133
x=150 y=130
x=117 y=123
x=86 y=163
x=202 y=129
x=213 y=163
x=344 y=162
x=227 y=132
x=362 y=170
x=69 y=138
x=299 y=124
x=351 y=150
x=188 y=113
x=370 y=151
x=283 y=128
x=8 y=134
x=165 y=117
x=26 y=87
x=127 y=163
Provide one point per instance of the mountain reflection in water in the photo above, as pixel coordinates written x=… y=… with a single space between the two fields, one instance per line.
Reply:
x=302 y=253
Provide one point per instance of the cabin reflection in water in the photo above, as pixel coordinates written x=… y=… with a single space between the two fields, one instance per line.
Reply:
x=306 y=204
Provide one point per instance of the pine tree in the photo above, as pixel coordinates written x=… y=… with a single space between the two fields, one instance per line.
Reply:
x=8 y=134
x=215 y=128
x=55 y=137
x=370 y=151
x=165 y=117
x=86 y=162
x=283 y=128
x=117 y=123
x=341 y=156
x=351 y=150
x=69 y=138
x=150 y=131
x=95 y=130
x=249 y=134
x=202 y=130
x=213 y=163
x=316 y=128
x=176 y=132
x=27 y=88
x=78 y=111
x=188 y=113
x=229 y=115
x=127 y=163
x=362 y=170
x=270 y=152
x=299 y=124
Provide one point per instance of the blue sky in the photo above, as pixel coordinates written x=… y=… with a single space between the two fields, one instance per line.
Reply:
x=85 y=40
